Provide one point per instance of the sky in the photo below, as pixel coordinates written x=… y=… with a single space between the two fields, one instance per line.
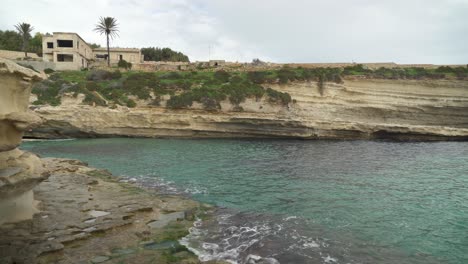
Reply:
x=283 y=31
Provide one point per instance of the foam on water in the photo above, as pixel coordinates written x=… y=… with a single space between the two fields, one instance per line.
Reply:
x=243 y=238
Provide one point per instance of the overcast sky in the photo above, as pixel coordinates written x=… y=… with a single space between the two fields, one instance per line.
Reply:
x=402 y=31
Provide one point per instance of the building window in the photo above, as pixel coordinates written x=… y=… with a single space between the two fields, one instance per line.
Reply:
x=50 y=45
x=65 y=43
x=120 y=57
x=65 y=57
x=101 y=56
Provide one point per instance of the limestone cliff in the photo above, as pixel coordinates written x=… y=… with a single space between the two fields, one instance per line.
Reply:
x=358 y=108
x=19 y=171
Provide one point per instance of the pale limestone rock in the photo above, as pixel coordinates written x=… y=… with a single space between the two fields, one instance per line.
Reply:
x=19 y=171
x=419 y=109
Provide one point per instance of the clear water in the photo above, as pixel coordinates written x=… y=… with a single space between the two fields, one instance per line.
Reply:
x=303 y=201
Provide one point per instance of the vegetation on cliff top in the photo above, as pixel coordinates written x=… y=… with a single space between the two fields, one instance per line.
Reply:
x=109 y=88
x=210 y=88
x=414 y=73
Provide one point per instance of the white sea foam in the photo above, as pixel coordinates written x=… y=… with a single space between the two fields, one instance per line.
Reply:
x=196 y=190
x=48 y=140
x=229 y=249
x=329 y=259
x=290 y=218
x=312 y=244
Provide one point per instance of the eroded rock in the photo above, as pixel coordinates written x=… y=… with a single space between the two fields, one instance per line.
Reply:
x=19 y=171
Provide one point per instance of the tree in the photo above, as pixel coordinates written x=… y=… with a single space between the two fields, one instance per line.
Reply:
x=94 y=45
x=10 y=40
x=108 y=26
x=35 y=44
x=164 y=54
x=25 y=29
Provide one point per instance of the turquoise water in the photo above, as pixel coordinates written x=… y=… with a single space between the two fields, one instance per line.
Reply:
x=304 y=201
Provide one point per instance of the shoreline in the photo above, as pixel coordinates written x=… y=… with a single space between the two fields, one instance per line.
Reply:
x=87 y=215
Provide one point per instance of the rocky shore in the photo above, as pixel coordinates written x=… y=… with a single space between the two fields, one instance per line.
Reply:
x=61 y=211
x=88 y=216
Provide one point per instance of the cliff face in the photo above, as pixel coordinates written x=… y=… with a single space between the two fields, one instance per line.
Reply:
x=425 y=109
x=19 y=171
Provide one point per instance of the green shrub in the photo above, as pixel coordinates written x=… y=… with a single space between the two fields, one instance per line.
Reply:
x=131 y=103
x=140 y=84
x=172 y=76
x=357 y=69
x=92 y=98
x=99 y=75
x=278 y=97
x=257 y=77
x=48 y=71
x=210 y=103
x=222 y=76
x=124 y=64
x=116 y=75
x=286 y=74
x=92 y=86
x=180 y=101
x=47 y=92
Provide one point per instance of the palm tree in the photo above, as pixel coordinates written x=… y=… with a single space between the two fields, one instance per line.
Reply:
x=108 y=26
x=25 y=29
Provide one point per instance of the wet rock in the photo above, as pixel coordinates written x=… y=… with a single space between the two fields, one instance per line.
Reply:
x=70 y=232
x=90 y=221
x=100 y=259
x=95 y=213
x=162 y=245
x=166 y=219
x=122 y=251
x=145 y=243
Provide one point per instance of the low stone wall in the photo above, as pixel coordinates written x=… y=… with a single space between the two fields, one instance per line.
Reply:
x=38 y=65
x=13 y=55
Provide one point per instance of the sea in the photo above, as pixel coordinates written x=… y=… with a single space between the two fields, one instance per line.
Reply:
x=296 y=201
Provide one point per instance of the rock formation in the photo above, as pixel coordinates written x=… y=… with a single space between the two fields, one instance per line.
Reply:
x=19 y=171
x=358 y=108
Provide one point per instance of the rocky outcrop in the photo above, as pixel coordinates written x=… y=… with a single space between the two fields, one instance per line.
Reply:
x=358 y=108
x=19 y=171
x=89 y=216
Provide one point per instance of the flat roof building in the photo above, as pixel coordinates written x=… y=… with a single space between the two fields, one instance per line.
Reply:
x=68 y=51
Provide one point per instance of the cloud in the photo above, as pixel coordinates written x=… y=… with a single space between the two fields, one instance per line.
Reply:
x=410 y=31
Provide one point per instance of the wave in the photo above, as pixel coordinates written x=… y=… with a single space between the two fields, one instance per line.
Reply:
x=165 y=186
x=46 y=140
x=244 y=238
